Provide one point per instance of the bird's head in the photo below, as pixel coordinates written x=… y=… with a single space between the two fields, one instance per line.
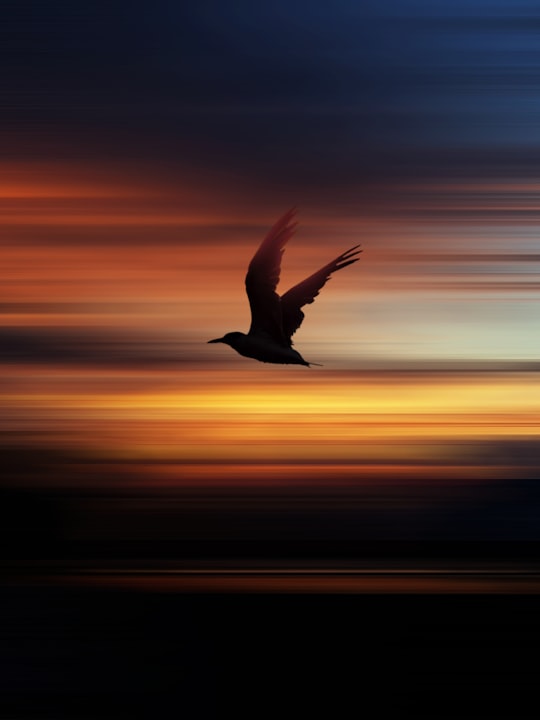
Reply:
x=230 y=338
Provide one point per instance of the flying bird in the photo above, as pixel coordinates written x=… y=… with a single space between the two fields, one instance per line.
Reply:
x=275 y=319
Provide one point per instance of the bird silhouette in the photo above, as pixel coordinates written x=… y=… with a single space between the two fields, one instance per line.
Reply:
x=275 y=319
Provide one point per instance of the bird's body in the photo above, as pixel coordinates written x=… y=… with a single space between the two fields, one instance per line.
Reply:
x=263 y=347
x=275 y=319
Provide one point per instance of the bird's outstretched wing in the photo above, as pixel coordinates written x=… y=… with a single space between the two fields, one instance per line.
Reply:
x=262 y=278
x=306 y=291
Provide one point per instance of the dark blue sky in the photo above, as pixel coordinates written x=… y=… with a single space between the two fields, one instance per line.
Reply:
x=285 y=93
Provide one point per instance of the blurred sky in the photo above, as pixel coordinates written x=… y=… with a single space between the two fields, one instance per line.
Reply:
x=147 y=147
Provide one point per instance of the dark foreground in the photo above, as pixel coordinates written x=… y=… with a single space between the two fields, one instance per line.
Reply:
x=277 y=604
x=109 y=653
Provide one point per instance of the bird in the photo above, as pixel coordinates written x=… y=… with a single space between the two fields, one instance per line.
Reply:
x=275 y=319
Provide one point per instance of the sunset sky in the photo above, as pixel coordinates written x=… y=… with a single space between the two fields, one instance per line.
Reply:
x=182 y=527
x=144 y=155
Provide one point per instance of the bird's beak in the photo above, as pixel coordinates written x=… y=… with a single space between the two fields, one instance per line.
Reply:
x=216 y=340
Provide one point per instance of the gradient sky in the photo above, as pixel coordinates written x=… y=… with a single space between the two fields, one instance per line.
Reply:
x=146 y=151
